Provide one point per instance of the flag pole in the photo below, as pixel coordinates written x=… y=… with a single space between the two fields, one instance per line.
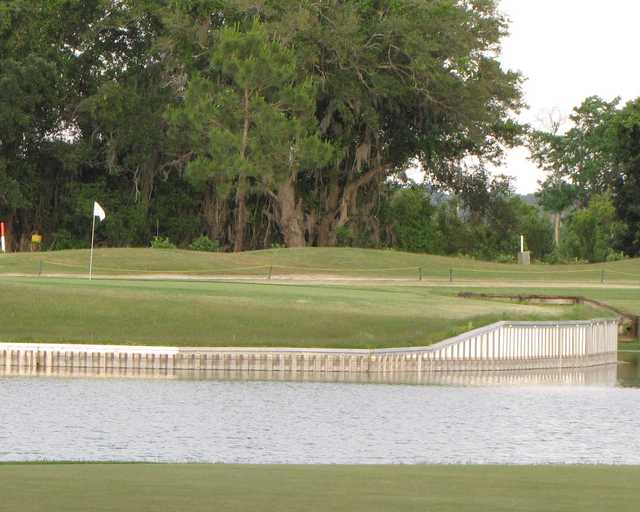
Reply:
x=93 y=230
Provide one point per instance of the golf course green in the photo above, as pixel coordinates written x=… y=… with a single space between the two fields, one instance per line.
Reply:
x=297 y=309
x=311 y=262
x=183 y=313
x=233 y=488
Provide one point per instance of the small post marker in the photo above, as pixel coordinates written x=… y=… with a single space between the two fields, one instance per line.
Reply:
x=602 y=276
x=524 y=257
x=451 y=275
x=3 y=246
x=419 y=273
x=270 y=270
x=40 y=269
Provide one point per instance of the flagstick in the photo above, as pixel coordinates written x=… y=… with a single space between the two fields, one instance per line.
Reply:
x=93 y=230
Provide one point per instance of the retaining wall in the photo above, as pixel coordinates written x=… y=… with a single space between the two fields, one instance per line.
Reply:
x=500 y=346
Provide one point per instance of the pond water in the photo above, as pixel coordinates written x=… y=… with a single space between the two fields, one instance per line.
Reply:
x=589 y=416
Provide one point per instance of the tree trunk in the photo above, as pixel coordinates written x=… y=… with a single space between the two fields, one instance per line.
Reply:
x=9 y=233
x=556 y=228
x=339 y=206
x=241 y=202
x=326 y=232
x=291 y=215
x=241 y=217
x=214 y=212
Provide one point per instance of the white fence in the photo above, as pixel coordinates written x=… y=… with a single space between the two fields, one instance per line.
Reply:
x=500 y=346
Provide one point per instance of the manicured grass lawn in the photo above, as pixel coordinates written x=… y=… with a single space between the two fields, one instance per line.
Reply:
x=247 y=314
x=360 y=263
x=222 y=488
x=360 y=314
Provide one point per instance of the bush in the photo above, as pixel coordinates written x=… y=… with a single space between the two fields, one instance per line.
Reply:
x=616 y=256
x=159 y=242
x=344 y=237
x=504 y=258
x=204 y=243
x=591 y=232
x=63 y=239
x=413 y=223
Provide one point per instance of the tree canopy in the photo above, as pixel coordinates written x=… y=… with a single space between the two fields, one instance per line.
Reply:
x=251 y=122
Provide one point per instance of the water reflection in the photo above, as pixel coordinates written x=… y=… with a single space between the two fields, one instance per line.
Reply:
x=629 y=369
x=626 y=373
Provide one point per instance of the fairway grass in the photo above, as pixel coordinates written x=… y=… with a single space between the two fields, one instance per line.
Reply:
x=183 y=313
x=297 y=308
x=312 y=261
x=239 y=488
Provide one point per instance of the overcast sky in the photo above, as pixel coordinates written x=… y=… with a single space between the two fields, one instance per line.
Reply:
x=568 y=50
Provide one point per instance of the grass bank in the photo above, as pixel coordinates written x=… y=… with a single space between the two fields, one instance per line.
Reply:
x=625 y=299
x=247 y=314
x=147 y=488
x=320 y=261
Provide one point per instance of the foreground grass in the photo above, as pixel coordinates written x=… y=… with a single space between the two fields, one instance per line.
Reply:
x=345 y=262
x=247 y=314
x=194 y=488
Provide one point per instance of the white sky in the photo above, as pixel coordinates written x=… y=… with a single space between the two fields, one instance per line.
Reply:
x=568 y=50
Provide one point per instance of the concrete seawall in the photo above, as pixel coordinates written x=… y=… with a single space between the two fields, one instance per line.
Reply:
x=501 y=346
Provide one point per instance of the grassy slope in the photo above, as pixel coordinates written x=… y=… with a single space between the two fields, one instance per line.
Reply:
x=318 y=261
x=625 y=299
x=194 y=488
x=246 y=314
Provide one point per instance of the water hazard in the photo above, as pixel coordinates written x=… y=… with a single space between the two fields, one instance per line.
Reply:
x=586 y=416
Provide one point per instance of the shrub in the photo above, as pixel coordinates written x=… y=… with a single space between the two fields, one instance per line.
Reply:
x=344 y=236
x=616 y=256
x=160 y=242
x=504 y=258
x=413 y=222
x=204 y=243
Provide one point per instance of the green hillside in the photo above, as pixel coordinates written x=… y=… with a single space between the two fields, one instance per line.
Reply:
x=194 y=313
x=339 y=262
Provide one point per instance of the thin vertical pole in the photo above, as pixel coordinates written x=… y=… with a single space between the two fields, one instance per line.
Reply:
x=93 y=230
x=2 y=242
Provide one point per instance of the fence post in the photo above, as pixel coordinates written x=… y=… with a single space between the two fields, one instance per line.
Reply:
x=602 y=276
x=451 y=275
x=270 y=270
x=419 y=273
x=40 y=268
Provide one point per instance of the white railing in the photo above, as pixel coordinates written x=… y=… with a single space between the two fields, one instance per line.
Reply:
x=524 y=340
x=500 y=346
